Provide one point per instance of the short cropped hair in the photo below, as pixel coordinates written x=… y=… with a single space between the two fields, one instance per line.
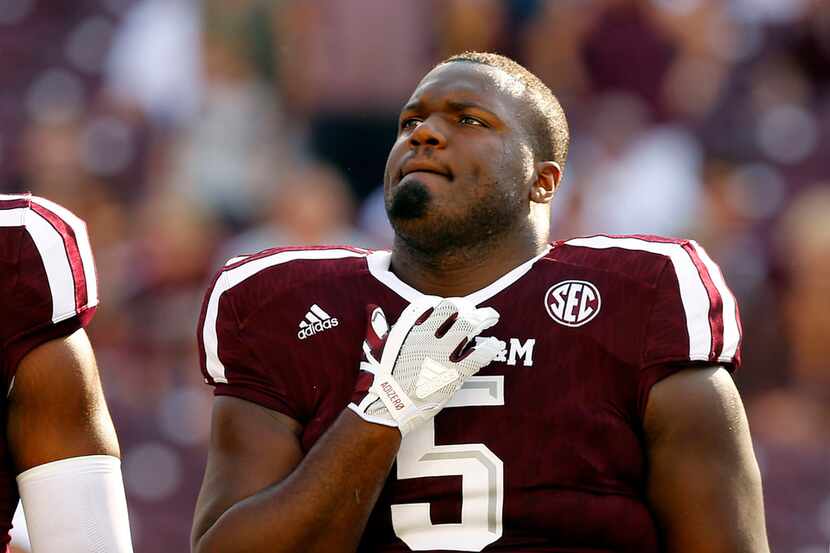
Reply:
x=549 y=127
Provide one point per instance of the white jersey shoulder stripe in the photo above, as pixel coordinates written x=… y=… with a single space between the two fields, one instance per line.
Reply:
x=731 y=330
x=52 y=249
x=236 y=259
x=232 y=277
x=82 y=242
x=693 y=292
x=15 y=217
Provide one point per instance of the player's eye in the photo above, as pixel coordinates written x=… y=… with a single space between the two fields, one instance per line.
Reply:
x=409 y=124
x=467 y=120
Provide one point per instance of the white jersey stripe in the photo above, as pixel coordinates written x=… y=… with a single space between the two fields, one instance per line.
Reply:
x=380 y=261
x=692 y=290
x=82 y=241
x=13 y=217
x=731 y=331
x=319 y=312
x=230 y=278
x=233 y=260
x=49 y=244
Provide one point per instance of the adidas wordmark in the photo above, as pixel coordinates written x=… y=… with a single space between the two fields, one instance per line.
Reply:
x=316 y=320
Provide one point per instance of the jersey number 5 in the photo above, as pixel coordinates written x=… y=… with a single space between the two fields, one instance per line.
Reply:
x=482 y=476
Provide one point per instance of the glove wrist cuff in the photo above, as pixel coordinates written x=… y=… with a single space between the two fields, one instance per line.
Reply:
x=397 y=402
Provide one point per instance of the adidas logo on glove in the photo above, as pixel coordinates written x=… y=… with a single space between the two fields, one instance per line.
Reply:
x=433 y=377
x=316 y=320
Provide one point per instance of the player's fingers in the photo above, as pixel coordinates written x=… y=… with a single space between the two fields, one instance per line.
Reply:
x=470 y=320
x=370 y=357
x=478 y=321
x=444 y=316
x=487 y=316
x=422 y=307
x=369 y=367
x=376 y=332
x=377 y=327
x=480 y=348
x=482 y=354
x=445 y=327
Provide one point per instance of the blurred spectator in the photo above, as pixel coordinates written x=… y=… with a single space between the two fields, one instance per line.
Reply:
x=312 y=206
x=739 y=201
x=564 y=24
x=811 y=46
x=350 y=83
x=224 y=159
x=478 y=25
x=626 y=51
x=373 y=221
x=51 y=54
x=139 y=69
x=625 y=160
x=791 y=424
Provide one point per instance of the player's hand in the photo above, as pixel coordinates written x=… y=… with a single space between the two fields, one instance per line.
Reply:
x=410 y=372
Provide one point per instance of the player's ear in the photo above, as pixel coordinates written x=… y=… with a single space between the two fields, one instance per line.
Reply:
x=548 y=176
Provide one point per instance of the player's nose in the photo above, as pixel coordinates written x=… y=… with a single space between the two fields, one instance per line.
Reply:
x=428 y=133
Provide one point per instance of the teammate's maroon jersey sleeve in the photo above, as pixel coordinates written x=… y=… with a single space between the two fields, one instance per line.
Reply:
x=48 y=287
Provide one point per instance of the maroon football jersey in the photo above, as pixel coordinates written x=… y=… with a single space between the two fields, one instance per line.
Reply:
x=47 y=290
x=540 y=451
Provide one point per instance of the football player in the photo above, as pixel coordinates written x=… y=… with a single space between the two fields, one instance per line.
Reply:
x=58 y=451
x=598 y=415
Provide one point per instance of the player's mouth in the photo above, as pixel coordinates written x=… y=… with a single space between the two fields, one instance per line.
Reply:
x=417 y=167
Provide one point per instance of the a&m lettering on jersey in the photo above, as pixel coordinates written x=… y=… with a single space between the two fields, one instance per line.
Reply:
x=516 y=351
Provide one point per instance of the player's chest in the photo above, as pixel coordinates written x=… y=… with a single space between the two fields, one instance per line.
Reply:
x=570 y=346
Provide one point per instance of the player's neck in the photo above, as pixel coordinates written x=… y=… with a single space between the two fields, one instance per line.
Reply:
x=463 y=271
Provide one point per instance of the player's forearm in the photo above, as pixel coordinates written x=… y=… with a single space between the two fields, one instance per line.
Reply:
x=322 y=506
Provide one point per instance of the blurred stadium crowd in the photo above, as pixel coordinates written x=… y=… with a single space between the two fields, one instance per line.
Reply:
x=185 y=132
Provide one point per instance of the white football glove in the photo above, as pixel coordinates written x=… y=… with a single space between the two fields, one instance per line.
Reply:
x=409 y=374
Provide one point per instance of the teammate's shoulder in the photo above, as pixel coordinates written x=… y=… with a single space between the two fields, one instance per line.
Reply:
x=25 y=210
x=636 y=256
x=17 y=202
x=47 y=282
x=49 y=247
x=45 y=221
x=284 y=268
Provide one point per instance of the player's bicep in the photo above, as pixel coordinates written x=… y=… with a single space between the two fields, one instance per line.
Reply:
x=251 y=448
x=56 y=405
x=704 y=485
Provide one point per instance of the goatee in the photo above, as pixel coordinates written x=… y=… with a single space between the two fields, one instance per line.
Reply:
x=423 y=224
x=409 y=202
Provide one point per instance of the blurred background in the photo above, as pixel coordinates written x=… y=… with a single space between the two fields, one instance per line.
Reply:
x=187 y=131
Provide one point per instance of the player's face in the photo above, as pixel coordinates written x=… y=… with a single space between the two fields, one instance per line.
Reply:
x=460 y=170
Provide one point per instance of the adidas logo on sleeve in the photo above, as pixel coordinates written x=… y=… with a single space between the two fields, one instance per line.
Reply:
x=316 y=320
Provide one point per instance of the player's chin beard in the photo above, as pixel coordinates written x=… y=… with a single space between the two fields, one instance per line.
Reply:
x=420 y=226
x=410 y=202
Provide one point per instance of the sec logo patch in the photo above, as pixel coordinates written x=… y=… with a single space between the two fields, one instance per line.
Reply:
x=573 y=302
